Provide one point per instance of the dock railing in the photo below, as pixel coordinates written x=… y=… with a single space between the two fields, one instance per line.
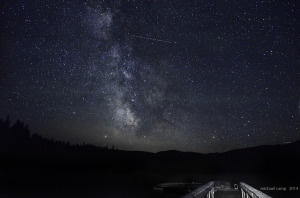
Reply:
x=250 y=192
x=205 y=190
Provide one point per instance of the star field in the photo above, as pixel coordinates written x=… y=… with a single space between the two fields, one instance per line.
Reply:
x=205 y=76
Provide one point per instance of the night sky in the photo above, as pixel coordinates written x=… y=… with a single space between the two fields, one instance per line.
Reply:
x=204 y=76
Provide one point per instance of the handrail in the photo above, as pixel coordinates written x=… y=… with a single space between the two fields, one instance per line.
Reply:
x=249 y=191
x=201 y=191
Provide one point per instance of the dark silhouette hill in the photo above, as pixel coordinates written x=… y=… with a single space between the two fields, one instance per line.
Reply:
x=31 y=162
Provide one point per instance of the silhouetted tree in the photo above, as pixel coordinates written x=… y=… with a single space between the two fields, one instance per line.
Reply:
x=6 y=123
x=19 y=130
x=1 y=126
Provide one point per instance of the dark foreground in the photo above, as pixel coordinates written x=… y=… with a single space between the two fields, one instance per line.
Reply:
x=133 y=174
x=131 y=185
x=31 y=166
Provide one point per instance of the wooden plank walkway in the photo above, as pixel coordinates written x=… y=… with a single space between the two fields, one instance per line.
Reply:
x=228 y=194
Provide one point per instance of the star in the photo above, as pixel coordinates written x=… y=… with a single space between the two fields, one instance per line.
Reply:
x=153 y=76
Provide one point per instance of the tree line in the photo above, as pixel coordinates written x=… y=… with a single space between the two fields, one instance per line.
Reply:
x=16 y=138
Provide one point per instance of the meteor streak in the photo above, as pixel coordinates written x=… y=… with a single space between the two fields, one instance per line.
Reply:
x=153 y=39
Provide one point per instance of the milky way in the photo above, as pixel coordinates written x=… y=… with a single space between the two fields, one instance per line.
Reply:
x=153 y=75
